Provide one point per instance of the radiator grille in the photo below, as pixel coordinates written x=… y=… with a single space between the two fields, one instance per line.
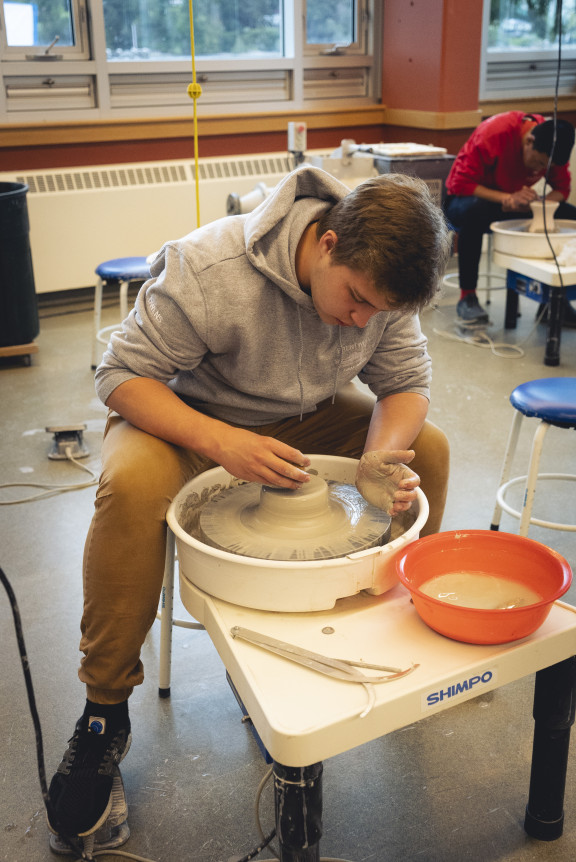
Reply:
x=82 y=216
x=98 y=179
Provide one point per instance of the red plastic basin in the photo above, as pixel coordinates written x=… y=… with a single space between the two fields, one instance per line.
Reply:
x=504 y=555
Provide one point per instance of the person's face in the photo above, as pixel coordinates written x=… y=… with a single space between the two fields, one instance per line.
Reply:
x=342 y=296
x=534 y=160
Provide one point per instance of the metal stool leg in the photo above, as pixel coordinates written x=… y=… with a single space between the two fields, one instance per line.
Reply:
x=507 y=465
x=124 y=285
x=488 y=274
x=166 y=617
x=532 y=477
x=97 y=320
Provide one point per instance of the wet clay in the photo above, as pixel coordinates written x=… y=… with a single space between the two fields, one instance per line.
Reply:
x=320 y=520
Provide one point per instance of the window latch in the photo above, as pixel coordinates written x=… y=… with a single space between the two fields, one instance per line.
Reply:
x=47 y=55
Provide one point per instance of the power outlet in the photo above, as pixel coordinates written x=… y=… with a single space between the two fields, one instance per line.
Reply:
x=68 y=442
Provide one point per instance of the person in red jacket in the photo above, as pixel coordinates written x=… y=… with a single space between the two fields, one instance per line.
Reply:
x=492 y=179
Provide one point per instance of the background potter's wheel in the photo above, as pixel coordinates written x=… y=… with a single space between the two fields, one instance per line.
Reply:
x=513 y=237
x=321 y=520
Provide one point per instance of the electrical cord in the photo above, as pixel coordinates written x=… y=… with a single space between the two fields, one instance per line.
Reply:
x=38 y=729
x=82 y=857
x=49 y=490
x=259 y=791
x=554 y=132
x=481 y=339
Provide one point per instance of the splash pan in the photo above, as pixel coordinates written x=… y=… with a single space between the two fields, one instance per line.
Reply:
x=514 y=237
x=284 y=585
x=481 y=586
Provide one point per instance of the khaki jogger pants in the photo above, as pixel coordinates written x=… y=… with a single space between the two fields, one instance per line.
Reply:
x=125 y=547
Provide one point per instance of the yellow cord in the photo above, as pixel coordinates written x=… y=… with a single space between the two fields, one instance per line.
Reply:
x=195 y=91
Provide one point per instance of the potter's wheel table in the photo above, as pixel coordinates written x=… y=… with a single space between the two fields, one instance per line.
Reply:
x=537 y=279
x=303 y=717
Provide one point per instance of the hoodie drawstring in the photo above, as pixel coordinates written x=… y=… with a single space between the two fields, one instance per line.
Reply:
x=299 y=371
x=340 y=351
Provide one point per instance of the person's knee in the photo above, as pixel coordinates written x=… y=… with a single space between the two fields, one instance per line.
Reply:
x=141 y=468
x=432 y=464
x=433 y=446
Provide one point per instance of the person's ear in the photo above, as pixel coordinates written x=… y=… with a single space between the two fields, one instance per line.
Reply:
x=328 y=241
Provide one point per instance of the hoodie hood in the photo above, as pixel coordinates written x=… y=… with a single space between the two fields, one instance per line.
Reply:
x=272 y=231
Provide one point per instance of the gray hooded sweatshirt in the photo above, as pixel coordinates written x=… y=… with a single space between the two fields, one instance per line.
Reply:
x=224 y=322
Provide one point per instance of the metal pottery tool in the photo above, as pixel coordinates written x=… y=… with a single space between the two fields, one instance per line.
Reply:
x=342 y=669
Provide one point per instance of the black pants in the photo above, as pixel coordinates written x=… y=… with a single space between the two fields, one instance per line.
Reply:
x=471 y=217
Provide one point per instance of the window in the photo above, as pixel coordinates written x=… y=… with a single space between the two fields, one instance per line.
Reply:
x=521 y=48
x=132 y=58
x=331 y=22
x=222 y=29
x=45 y=31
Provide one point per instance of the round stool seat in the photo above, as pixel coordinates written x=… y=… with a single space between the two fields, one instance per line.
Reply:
x=124 y=269
x=552 y=399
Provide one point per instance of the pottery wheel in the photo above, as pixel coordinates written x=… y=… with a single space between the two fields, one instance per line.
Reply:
x=319 y=521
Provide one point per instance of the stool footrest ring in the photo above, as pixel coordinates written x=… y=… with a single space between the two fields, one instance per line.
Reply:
x=551 y=525
x=102 y=334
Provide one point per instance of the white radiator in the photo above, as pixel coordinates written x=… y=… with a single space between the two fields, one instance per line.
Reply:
x=80 y=217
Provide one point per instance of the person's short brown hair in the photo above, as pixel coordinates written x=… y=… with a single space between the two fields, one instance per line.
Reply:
x=390 y=229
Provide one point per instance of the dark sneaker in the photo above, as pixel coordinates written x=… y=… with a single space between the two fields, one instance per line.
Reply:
x=112 y=834
x=81 y=795
x=470 y=311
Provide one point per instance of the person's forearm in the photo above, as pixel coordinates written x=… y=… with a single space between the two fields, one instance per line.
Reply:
x=154 y=407
x=509 y=201
x=494 y=195
x=396 y=421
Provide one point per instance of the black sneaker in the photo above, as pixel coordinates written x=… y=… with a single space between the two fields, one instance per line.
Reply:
x=81 y=789
x=470 y=311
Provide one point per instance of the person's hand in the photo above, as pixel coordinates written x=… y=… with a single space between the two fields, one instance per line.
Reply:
x=385 y=481
x=520 y=200
x=250 y=456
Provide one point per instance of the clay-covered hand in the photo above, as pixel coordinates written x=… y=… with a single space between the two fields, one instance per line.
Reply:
x=385 y=481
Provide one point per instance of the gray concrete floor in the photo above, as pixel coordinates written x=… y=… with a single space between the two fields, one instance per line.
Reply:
x=451 y=788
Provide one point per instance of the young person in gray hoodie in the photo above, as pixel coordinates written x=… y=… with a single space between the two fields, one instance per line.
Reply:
x=240 y=352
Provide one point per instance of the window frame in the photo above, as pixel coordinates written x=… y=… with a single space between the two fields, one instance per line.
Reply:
x=523 y=73
x=79 y=51
x=359 y=68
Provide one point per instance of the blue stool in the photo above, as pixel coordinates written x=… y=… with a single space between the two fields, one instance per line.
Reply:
x=121 y=271
x=553 y=401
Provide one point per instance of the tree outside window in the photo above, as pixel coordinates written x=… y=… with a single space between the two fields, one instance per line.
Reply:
x=520 y=25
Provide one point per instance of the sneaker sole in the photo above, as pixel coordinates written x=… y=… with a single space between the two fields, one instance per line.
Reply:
x=113 y=832
x=107 y=811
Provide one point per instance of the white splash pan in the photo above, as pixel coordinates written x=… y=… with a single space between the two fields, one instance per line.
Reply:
x=513 y=237
x=277 y=585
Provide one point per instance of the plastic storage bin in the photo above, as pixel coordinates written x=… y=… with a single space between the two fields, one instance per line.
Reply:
x=433 y=170
x=19 y=306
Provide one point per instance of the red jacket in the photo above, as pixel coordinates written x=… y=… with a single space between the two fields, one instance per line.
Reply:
x=492 y=157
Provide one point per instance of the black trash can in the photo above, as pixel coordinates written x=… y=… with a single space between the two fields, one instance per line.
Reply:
x=18 y=303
